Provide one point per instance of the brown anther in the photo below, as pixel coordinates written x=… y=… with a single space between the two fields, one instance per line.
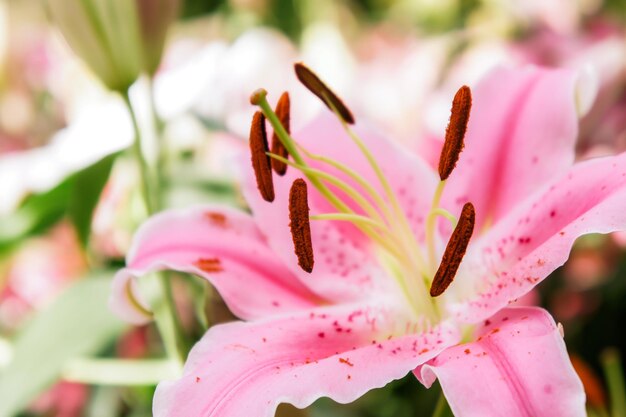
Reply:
x=299 y=224
x=455 y=132
x=317 y=87
x=260 y=160
x=455 y=250
x=282 y=111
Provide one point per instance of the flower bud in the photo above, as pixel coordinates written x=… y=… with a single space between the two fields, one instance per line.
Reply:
x=118 y=39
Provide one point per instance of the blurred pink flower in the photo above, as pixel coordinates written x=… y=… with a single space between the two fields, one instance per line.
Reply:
x=134 y=343
x=42 y=268
x=36 y=274
x=364 y=316
x=65 y=399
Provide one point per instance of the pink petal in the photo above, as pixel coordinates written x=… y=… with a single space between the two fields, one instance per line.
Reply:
x=248 y=275
x=345 y=268
x=521 y=133
x=518 y=367
x=536 y=238
x=247 y=369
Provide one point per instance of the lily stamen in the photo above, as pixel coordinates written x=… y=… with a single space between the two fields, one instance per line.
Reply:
x=259 y=98
x=350 y=191
x=379 y=215
x=455 y=132
x=375 y=228
x=315 y=85
x=299 y=224
x=260 y=161
x=452 y=148
x=455 y=251
x=311 y=81
x=398 y=221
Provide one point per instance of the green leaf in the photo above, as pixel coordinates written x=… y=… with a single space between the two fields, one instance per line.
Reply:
x=77 y=324
x=86 y=189
x=76 y=196
x=36 y=215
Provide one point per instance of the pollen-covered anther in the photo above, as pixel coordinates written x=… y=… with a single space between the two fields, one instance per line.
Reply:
x=283 y=112
x=455 y=132
x=299 y=224
x=455 y=250
x=260 y=160
x=311 y=81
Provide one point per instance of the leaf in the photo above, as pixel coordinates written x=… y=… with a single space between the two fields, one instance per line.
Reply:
x=86 y=189
x=35 y=215
x=77 y=324
x=76 y=196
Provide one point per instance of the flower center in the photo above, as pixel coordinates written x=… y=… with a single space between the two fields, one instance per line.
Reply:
x=377 y=214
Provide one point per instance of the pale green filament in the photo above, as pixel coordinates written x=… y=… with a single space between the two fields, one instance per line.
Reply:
x=430 y=227
x=445 y=214
x=289 y=144
x=342 y=185
x=386 y=241
x=419 y=300
x=352 y=218
x=395 y=238
x=404 y=228
x=356 y=177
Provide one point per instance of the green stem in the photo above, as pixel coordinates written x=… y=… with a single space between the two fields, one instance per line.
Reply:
x=615 y=382
x=120 y=371
x=162 y=301
x=144 y=172
x=161 y=160
x=441 y=408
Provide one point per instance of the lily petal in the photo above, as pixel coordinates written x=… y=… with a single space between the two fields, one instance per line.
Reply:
x=220 y=244
x=536 y=238
x=521 y=133
x=518 y=367
x=345 y=268
x=244 y=369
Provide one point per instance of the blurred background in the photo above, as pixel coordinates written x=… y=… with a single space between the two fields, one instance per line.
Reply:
x=70 y=197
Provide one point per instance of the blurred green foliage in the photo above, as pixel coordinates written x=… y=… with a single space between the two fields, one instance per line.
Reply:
x=78 y=323
x=75 y=197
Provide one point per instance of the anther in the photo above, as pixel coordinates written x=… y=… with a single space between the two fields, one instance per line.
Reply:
x=455 y=132
x=282 y=111
x=260 y=160
x=317 y=87
x=299 y=224
x=455 y=250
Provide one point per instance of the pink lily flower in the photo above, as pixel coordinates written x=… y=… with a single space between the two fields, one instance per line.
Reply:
x=365 y=315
